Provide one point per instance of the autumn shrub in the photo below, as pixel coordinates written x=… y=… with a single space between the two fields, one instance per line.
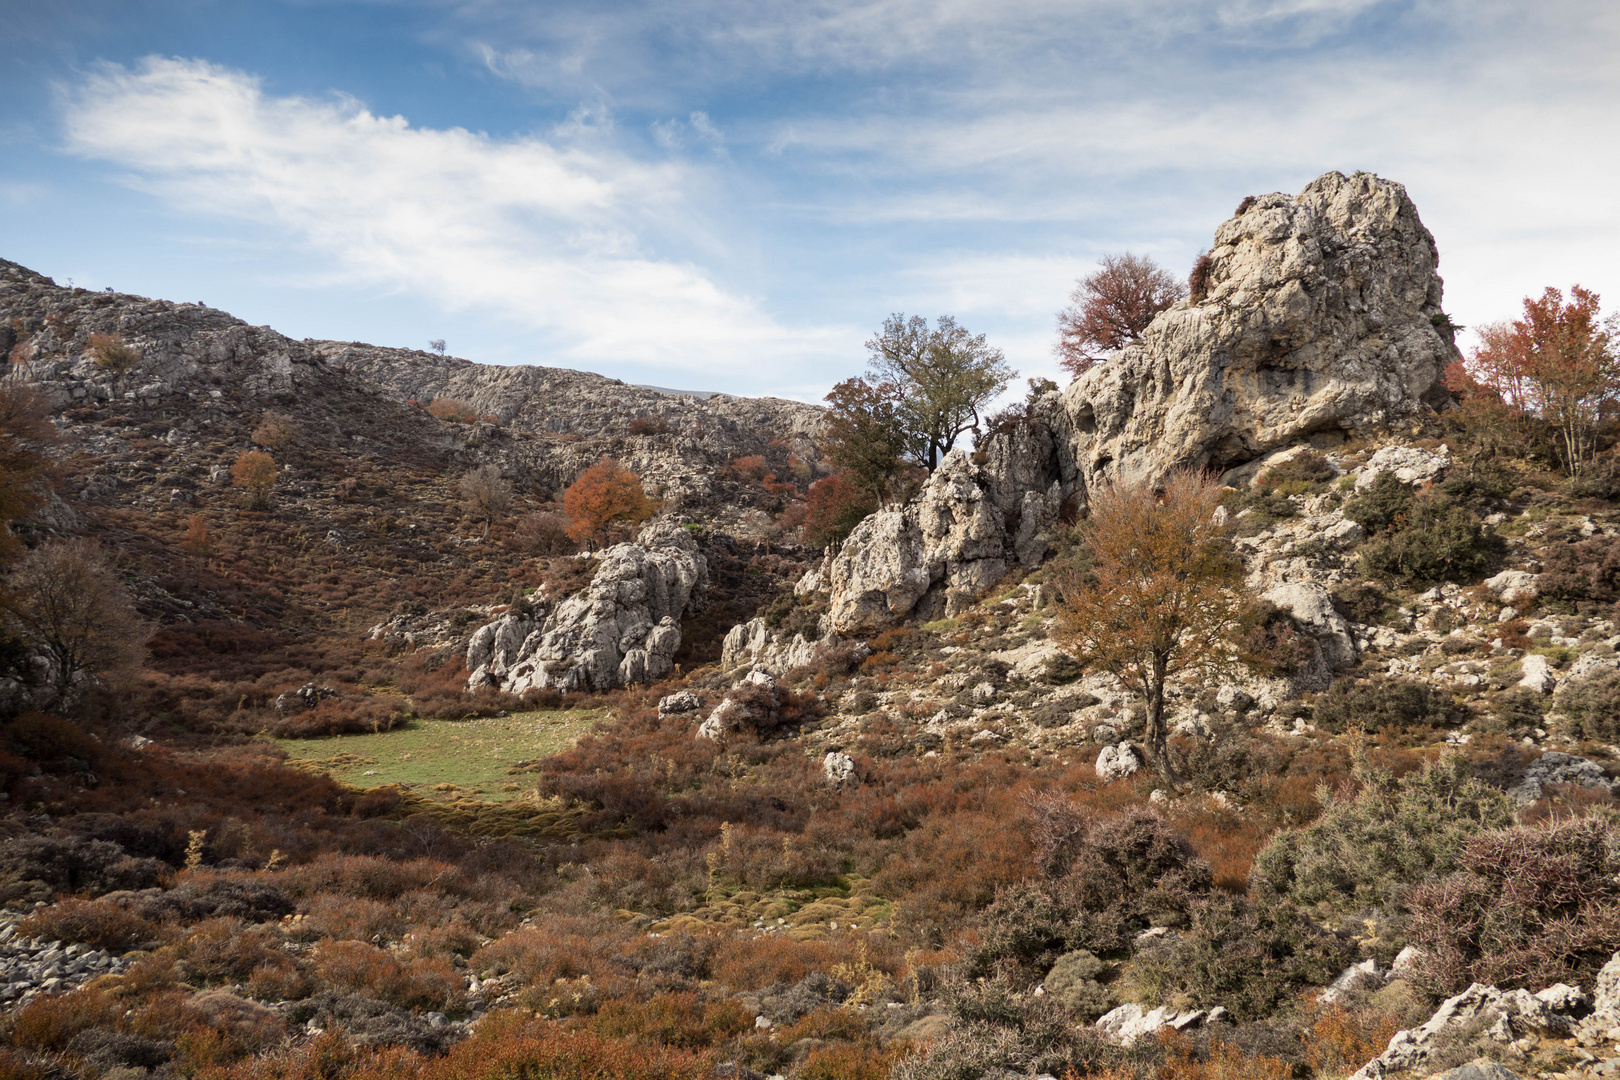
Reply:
x=339 y=716
x=34 y=867
x=1384 y=705
x=112 y=354
x=834 y=505
x=275 y=431
x=566 y=947
x=372 y=876
x=852 y=1061
x=50 y=1021
x=543 y=533
x=1591 y=706
x=1366 y=850
x=453 y=410
x=1439 y=541
x=757 y=962
x=1525 y=907
x=603 y=496
x=255 y=473
x=1221 y=1061
x=423 y=984
x=684 y=1020
x=45 y=736
x=1342 y=1040
x=101 y=924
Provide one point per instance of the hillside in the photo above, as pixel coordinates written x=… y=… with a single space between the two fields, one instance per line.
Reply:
x=853 y=814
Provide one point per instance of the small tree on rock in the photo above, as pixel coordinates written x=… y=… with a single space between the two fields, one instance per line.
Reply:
x=603 y=496
x=866 y=436
x=836 y=504
x=25 y=432
x=943 y=378
x=486 y=493
x=1157 y=591
x=254 y=472
x=1112 y=307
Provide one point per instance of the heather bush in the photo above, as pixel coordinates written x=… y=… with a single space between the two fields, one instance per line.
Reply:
x=34 y=867
x=1382 y=505
x=1591 y=706
x=1365 y=851
x=97 y=923
x=1307 y=468
x=1271 y=642
x=1103 y=880
x=1384 y=705
x=339 y=716
x=1585 y=570
x=420 y=984
x=1438 y=541
x=1362 y=602
x=1525 y=907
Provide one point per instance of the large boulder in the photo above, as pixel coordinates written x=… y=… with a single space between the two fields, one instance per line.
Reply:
x=1321 y=319
x=624 y=627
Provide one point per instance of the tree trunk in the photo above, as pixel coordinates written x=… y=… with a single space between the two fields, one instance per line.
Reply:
x=1157 y=737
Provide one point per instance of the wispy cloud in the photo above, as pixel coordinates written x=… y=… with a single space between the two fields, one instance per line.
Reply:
x=561 y=233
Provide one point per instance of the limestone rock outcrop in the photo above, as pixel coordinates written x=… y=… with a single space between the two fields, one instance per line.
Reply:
x=1321 y=318
x=939 y=553
x=622 y=628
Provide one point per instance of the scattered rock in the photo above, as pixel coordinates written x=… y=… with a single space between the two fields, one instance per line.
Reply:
x=1513 y=586
x=838 y=768
x=1118 y=762
x=1537 y=674
x=305 y=697
x=1409 y=464
x=683 y=701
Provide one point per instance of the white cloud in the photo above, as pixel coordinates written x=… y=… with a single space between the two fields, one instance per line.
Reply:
x=560 y=235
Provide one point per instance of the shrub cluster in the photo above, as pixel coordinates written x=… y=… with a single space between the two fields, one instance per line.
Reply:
x=1384 y=705
x=1419 y=538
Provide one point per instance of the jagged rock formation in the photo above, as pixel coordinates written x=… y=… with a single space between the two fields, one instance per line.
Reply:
x=1321 y=318
x=205 y=373
x=942 y=551
x=622 y=628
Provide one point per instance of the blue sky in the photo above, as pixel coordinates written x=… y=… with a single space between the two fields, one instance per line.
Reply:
x=732 y=195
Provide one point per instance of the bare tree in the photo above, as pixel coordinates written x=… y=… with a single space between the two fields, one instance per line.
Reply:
x=67 y=603
x=1110 y=308
x=486 y=493
x=1156 y=593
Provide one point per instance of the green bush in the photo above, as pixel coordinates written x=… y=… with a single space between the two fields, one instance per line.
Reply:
x=1384 y=502
x=1591 y=707
x=1253 y=956
x=1073 y=983
x=1365 y=851
x=1363 y=602
x=1308 y=468
x=1435 y=540
x=1265 y=507
x=1384 y=705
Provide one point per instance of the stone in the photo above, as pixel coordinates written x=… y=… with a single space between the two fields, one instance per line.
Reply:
x=1409 y=464
x=1406 y=962
x=838 y=769
x=1118 y=762
x=1128 y=1023
x=1313 y=609
x=1557 y=768
x=622 y=628
x=683 y=701
x=1537 y=674
x=1362 y=976
x=751 y=703
x=1234 y=698
x=1513 y=586
x=754 y=644
x=1481 y=1069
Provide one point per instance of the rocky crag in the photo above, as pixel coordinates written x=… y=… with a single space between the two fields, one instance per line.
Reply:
x=198 y=372
x=1319 y=319
x=624 y=627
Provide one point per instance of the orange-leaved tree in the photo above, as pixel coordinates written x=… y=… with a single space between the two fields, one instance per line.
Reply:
x=255 y=473
x=1110 y=308
x=605 y=495
x=1558 y=363
x=1155 y=591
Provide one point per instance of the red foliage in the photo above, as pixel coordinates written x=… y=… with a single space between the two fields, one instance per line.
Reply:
x=1110 y=308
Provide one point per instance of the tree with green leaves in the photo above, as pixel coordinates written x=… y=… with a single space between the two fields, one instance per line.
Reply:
x=941 y=379
x=866 y=437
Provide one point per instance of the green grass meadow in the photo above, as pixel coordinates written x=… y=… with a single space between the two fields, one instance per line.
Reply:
x=424 y=756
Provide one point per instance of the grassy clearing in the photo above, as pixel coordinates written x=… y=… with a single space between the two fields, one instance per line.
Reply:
x=451 y=759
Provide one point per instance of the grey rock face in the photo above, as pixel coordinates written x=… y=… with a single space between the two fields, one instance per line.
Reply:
x=1556 y=768
x=1409 y=464
x=1322 y=319
x=622 y=628
x=1313 y=608
x=941 y=552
